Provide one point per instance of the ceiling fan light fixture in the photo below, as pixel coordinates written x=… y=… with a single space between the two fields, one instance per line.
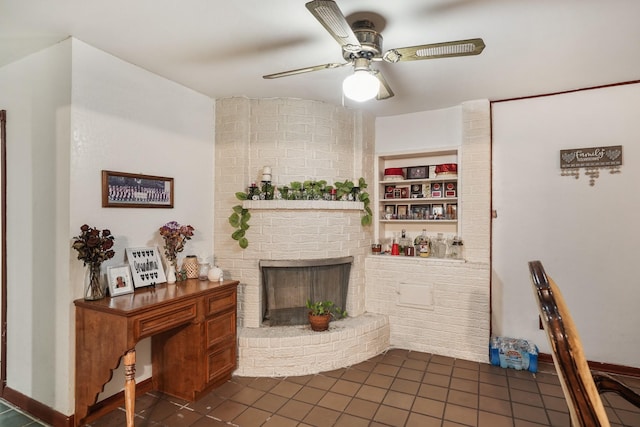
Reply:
x=361 y=86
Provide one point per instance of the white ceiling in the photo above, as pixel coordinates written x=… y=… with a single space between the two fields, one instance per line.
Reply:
x=222 y=48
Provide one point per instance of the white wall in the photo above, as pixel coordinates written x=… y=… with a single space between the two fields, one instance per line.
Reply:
x=410 y=132
x=36 y=93
x=106 y=114
x=126 y=119
x=584 y=235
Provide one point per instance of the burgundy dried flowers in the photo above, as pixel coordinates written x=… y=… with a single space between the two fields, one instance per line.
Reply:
x=175 y=236
x=93 y=245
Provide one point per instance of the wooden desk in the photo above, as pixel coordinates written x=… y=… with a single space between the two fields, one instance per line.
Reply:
x=193 y=330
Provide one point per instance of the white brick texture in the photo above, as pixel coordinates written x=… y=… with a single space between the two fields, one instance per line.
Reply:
x=303 y=140
x=457 y=323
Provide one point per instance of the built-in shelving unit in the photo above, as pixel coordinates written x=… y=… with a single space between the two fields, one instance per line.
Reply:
x=420 y=199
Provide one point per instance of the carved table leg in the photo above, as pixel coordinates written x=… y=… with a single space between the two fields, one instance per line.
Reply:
x=130 y=385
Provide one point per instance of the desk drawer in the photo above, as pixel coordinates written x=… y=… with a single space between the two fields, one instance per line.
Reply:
x=164 y=319
x=221 y=328
x=220 y=301
x=221 y=361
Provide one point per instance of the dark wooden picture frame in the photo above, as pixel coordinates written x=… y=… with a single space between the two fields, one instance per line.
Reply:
x=402 y=211
x=130 y=190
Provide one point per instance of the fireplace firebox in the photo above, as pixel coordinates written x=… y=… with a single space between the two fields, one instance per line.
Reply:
x=287 y=284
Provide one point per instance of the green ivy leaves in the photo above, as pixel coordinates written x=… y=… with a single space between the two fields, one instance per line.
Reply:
x=239 y=220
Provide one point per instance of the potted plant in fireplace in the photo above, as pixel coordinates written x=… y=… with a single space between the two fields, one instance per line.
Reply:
x=321 y=312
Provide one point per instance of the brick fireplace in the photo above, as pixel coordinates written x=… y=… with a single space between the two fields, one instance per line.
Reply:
x=299 y=140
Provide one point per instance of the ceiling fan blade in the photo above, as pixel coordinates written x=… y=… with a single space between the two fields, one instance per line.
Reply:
x=330 y=16
x=304 y=70
x=435 y=50
x=385 y=91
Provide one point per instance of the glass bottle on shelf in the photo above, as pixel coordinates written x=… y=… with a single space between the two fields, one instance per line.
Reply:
x=439 y=246
x=455 y=248
x=404 y=241
x=422 y=244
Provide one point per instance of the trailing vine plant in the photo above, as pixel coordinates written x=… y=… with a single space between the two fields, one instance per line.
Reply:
x=363 y=196
x=239 y=220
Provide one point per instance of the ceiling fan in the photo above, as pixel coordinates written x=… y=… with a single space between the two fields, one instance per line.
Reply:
x=362 y=44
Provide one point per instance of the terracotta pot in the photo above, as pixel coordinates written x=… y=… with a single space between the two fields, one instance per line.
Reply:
x=319 y=322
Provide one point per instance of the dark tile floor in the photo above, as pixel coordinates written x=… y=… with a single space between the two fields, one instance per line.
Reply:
x=398 y=388
x=10 y=416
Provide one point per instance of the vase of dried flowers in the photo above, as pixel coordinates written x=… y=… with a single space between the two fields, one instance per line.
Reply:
x=175 y=237
x=94 y=246
x=94 y=288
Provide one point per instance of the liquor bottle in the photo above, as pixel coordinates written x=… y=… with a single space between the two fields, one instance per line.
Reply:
x=422 y=244
x=404 y=241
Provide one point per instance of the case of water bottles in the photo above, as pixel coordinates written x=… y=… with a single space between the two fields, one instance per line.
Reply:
x=513 y=353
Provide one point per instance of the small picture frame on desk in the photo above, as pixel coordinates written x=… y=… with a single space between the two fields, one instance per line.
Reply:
x=146 y=266
x=120 y=282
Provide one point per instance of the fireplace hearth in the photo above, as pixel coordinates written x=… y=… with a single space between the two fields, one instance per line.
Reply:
x=287 y=284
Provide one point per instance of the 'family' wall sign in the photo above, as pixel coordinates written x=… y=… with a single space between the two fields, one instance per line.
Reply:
x=592 y=159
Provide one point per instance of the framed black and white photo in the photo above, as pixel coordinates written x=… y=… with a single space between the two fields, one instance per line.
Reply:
x=146 y=266
x=120 y=282
x=129 y=190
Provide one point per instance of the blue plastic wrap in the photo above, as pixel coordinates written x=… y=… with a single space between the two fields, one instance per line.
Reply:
x=513 y=353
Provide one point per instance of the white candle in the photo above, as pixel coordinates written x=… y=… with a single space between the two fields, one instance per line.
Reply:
x=266 y=170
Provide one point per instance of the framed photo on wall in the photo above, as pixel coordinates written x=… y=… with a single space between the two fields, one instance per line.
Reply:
x=120 y=282
x=129 y=190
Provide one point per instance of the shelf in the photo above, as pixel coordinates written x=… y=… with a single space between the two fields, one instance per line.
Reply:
x=417 y=221
x=405 y=211
x=418 y=181
x=420 y=200
x=329 y=205
x=416 y=258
